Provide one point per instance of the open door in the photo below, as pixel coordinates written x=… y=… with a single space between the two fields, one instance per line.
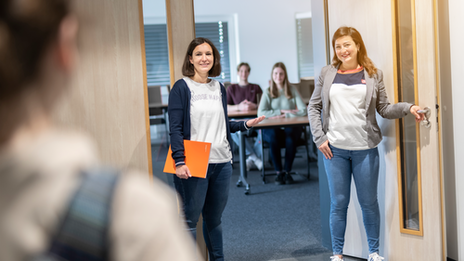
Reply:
x=420 y=233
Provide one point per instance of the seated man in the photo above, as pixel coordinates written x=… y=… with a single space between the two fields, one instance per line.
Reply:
x=243 y=97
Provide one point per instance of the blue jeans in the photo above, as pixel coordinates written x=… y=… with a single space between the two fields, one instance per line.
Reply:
x=279 y=138
x=209 y=197
x=251 y=147
x=364 y=165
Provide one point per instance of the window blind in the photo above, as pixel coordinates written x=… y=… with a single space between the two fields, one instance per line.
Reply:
x=305 y=47
x=218 y=34
x=157 y=55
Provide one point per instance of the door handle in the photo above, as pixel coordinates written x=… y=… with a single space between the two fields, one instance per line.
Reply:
x=425 y=122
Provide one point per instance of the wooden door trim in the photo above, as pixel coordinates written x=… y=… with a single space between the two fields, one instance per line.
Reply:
x=396 y=47
x=145 y=90
x=439 y=122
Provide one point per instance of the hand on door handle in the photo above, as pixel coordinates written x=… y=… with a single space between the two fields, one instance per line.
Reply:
x=417 y=112
x=426 y=112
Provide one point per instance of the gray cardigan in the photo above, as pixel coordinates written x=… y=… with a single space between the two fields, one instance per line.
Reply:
x=376 y=98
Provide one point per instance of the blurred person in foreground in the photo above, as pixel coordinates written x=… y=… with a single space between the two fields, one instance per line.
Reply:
x=41 y=167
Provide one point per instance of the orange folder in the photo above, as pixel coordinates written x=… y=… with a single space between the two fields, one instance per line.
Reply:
x=196 y=158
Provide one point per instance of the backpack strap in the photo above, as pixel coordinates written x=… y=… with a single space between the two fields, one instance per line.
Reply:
x=83 y=233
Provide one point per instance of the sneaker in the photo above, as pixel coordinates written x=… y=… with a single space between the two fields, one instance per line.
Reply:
x=249 y=164
x=279 y=180
x=258 y=163
x=288 y=178
x=336 y=258
x=375 y=257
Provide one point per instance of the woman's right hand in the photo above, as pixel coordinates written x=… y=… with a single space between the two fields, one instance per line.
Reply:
x=325 y=149
x=183 y=172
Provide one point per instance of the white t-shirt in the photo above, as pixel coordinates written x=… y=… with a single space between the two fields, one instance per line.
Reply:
x=347 y=121
x=208 y=123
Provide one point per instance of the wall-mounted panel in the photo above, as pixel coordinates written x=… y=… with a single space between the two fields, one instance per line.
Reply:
x=107 y=98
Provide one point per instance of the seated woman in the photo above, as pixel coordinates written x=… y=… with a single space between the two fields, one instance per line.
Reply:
x=243 y=97
x=281 y=100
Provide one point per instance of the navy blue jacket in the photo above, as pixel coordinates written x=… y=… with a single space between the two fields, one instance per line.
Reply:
x=179 y=119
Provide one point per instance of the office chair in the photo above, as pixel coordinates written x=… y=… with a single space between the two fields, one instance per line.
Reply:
x=306 y=88
x=226 y=84
x=303 y=141
x=156 y=110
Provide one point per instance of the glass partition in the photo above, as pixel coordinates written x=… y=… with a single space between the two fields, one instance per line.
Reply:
x=158 y=82
x=408 y=132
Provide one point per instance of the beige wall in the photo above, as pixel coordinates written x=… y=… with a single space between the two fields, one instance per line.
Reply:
x=107 y=98
x=181 y=31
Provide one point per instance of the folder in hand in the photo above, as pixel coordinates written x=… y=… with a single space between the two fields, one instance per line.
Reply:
x=196 y=158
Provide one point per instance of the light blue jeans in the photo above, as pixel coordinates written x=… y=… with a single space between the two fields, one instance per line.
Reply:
x=363 y=166
x=251 y=147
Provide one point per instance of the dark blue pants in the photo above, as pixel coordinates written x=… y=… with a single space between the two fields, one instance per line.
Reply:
x=209 y=197
x=282 y=138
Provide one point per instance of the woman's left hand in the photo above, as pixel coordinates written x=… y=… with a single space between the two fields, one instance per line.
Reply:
x=419 y=116
x=255 y=121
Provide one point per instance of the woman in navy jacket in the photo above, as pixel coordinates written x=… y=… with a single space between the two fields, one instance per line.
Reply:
x=198 y=111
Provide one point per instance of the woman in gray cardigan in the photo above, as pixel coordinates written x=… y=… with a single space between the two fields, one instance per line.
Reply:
x=347 y=94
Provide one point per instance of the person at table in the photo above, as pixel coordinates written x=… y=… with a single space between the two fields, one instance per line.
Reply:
x=244 y=97
x=198 y=111
x=282 y=100
x=347 y=95
x=42 y=166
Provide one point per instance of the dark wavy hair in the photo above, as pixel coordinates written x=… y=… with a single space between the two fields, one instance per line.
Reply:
x=362 y=57
x=188 y=68
x=27 y=28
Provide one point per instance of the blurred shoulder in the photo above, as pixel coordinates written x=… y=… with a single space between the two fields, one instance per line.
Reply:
x=137 y=185
x=327 y=68
x=145 y=215
x=379 y=73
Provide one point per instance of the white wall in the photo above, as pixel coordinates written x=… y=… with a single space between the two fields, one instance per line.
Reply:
x=447 y=131
x=266 y=31
x=456 y=9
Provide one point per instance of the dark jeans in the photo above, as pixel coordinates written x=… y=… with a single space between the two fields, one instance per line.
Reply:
x=209 y=197
x=282 y=138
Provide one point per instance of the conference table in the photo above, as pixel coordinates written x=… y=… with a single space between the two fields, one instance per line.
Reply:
x=265 y=124
x=158 y=105
x=242 y=114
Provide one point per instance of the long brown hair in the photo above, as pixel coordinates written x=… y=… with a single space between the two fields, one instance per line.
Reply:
x=273 y=90
x=362 y=57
